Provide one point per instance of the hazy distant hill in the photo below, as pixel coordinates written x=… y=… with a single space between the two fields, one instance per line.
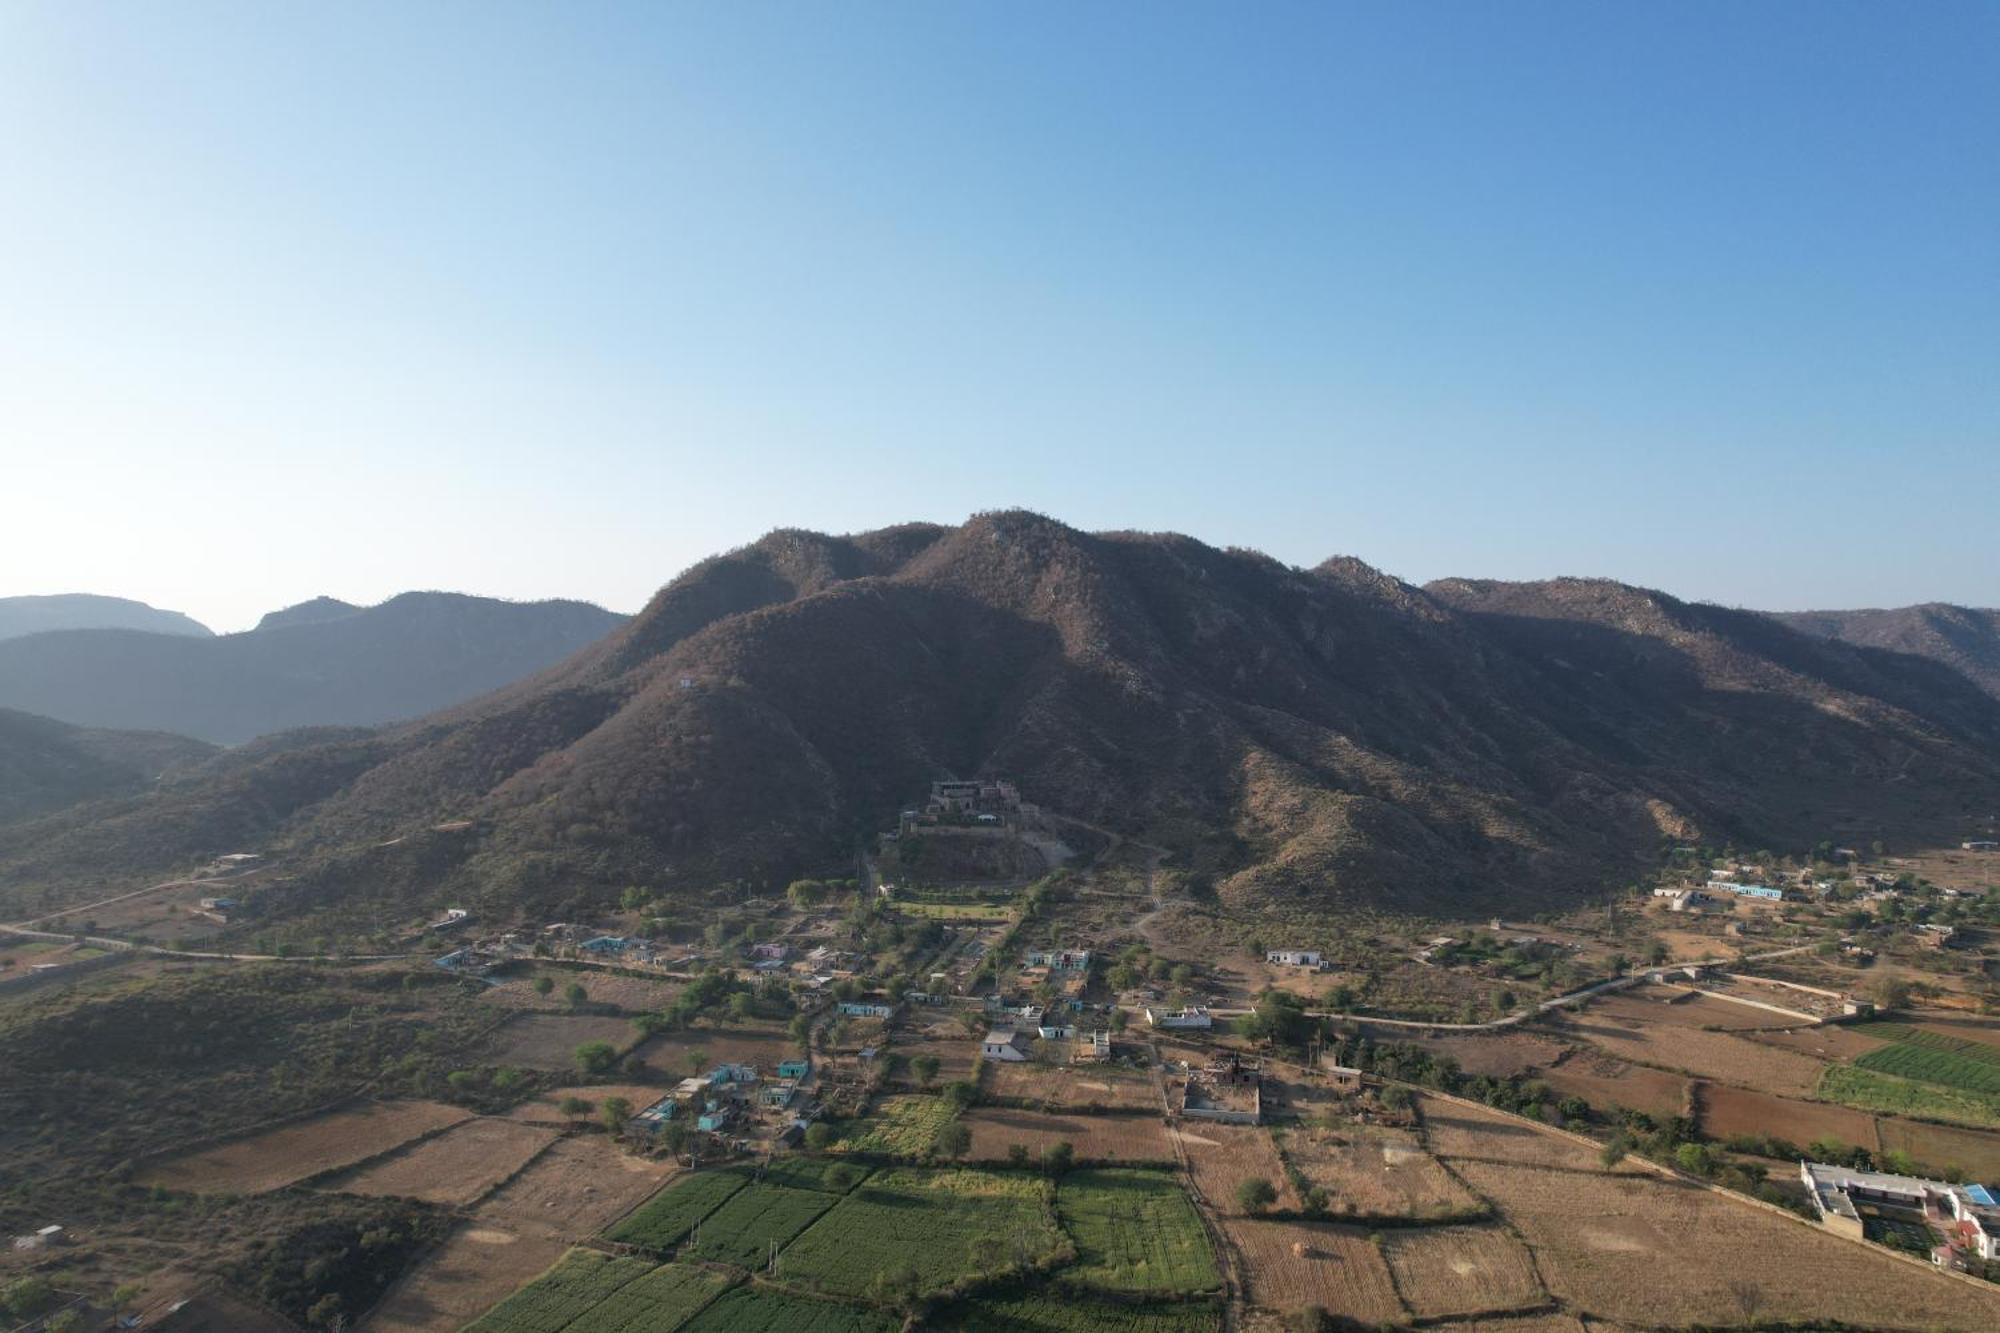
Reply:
x=46 y=765
x=36 y=615
x=1964 y=638
x=1330 y=735
x=318 y=611
x=410 y=655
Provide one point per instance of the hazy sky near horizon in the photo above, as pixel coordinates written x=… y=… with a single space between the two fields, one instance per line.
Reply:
x=550 y=300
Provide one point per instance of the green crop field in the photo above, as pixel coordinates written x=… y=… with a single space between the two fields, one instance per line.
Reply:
x=901 y=1127
x=663 y=1299
x=1135 y=1231
x=554 y=1300
x=925 y=1230
x=660 y=1222
x=814 y=1173
x=762 y=1310
x=1932 y=1057
x=1872 y=1090
x=743 y=1229
x=1044 y=1311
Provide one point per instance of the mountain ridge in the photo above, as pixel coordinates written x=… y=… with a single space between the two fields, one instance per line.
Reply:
x=1332 y=735
x=24 y=615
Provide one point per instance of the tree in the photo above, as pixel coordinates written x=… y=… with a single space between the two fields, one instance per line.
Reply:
x=1395 y=1097
x=1614 y=1150
x=805 y=893
x=615 y=1112
x=124 y=1296
x=64 y=1321
x=1889 y=992
x=596 y=1057
x=575 y=994
x=544 y=985
x=674 y=1137
x=1058 y=1157
x=1255 y=1195
x=819 y=1136
x=926 y=1068
x=25 y=1296
x=574 y=1107
x=1017 y=1154
x=960 y=1094
x=953 y=1140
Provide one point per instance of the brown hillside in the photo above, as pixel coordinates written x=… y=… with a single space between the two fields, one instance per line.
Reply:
x=1334 y=733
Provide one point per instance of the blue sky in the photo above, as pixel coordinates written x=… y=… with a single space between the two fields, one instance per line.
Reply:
x=540 y=300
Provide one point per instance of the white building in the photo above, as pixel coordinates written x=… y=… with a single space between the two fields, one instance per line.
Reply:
x=1196 y=1017
x=1002 y=1044
x=1293 y=957
x=1967 y=1215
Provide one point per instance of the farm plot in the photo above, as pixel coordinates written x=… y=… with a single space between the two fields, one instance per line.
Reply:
x=1500 y=1055
x=899 y=1127
x=1455 y=1131
x=1605 y=1082
x=549 y=1041
x=953 y=1050
x=546 y=1108
x=1940 y=1147
x=568 y=1192
x=1135 y=1231
x=632 y=995
x=1295 y=1264
x=284 y=1156
x=1082 y=1087
x=661 y=1300
x=812 y=1173
x=1374 y=1171
x=1042 y=1311
x=757 y=1309
x=1603 y=1242
x=669 y=1215
x=1096 y=1138
x=553 y=1300
x=1676 y=1006
x=938 y=1227
x=1873 y=1091
x=1622 y=1028
x=1461 y=1270
x=1831 y=1042
x=743 y=1230
x=701 y=1049
x=1221 y=1157
x=457 y=1167
x=1931 y=1057
x=1726 y=1111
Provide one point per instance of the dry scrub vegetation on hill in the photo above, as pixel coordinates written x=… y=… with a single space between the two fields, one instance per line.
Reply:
x=1325 y=733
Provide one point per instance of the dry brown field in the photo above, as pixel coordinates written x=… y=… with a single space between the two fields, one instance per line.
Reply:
x=1606 y=1082
x=573 y=1190
x=956 y=1056
x=549 y=1041
x=1539 y=1323
x=1834 y=1042
x=634 y=995
x=1973 y=1151
x=1678 y=1006
x=476 y=1268
x=1505 y=1053
x=1072 y=1087
x=1221 y=1157
x=215 y=1311
x=1097 y=1138
x=281 y=1156
x=1375 y=1171
x=1647 y=1250
x=673 y=1054
x=456 y=1167
x=1461 y=1270
x=1295 y=1264
x=543 y=1108
x=1636 y=1036
x=1726 y=1111
x=1453 y=1131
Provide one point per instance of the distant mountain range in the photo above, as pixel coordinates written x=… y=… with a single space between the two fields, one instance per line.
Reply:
x=1330 y=736
x=322 y=663
x=47 y=765
x=1967 y=639
x=39 y=615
